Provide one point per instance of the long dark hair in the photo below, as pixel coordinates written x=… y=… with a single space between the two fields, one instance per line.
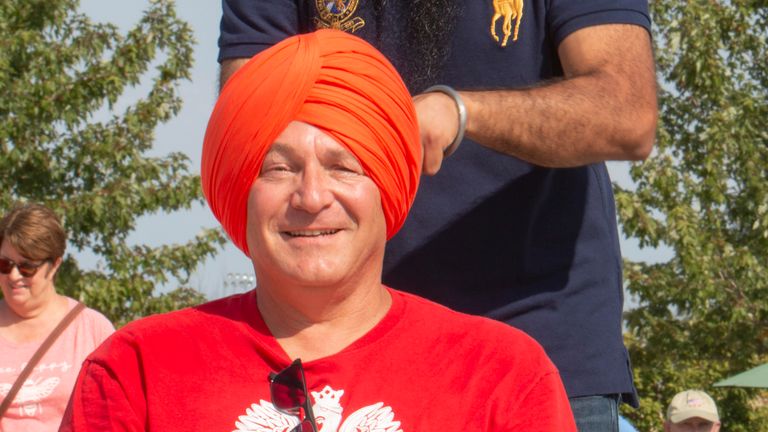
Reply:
x=425 y=39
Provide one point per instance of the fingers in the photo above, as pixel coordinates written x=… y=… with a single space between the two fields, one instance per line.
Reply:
x=433 y=157
x=438 y=125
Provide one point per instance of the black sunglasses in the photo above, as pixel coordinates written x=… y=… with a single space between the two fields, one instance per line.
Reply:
x=288 y=389
x=26 y=269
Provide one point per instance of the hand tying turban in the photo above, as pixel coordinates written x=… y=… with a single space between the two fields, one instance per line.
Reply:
x=333 y=81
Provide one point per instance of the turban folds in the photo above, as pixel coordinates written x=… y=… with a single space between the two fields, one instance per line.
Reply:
x=332 y=80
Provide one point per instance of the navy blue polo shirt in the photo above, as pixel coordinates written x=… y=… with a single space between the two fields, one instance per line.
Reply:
x=491 y=234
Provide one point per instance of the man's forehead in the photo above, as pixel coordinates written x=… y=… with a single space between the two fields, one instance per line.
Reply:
x=298 y=137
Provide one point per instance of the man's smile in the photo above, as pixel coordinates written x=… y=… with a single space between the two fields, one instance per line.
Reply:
x=311 y=233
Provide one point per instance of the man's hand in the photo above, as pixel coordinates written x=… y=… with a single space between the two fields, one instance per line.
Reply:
x=438 y=125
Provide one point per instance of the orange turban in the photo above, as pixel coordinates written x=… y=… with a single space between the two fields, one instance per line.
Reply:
x=332 y=80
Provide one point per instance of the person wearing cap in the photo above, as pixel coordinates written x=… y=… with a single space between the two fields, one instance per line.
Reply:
x=311 y=161
x=692 y=411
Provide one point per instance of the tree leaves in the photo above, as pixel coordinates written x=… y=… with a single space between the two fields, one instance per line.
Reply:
x=57 y=71
x=703 y=315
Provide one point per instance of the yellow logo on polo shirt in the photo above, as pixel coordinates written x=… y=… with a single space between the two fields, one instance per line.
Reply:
x=337 y=14
x=510 y=10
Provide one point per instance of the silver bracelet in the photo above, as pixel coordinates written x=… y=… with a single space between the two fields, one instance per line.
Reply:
x=462 y=115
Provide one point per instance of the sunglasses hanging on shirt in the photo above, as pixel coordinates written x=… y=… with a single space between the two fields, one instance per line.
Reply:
x=288 y=389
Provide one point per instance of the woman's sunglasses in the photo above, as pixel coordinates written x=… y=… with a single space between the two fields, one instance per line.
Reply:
x=26 y=269
x=288 y=389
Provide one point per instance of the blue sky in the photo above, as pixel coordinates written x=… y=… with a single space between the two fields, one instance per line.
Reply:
x=185 y=133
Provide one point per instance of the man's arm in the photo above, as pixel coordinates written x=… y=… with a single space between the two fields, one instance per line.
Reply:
x=99 y=403
x=228 y=67
x=603 y=109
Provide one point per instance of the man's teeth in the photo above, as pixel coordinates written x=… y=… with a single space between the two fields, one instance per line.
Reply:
x=311 y=233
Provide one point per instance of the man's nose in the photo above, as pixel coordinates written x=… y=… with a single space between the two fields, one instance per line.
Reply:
x=313 y=192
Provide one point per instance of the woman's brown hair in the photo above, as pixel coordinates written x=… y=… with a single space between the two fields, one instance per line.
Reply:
x=35 y=231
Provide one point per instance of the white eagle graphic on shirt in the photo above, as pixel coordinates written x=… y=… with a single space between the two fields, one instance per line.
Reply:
x=264 y=417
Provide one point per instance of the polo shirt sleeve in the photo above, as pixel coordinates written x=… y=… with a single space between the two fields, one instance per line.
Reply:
x=567 y=16
x=249 y=27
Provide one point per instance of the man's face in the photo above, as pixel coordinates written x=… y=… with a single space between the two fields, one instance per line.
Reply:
x=314 y=217
x=693 y=424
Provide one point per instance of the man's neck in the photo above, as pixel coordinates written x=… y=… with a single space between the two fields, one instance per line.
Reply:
x=315 y=322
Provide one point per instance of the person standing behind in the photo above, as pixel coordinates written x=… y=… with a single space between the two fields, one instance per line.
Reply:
x=692 y=411
x=32 y=244
x=519 y=222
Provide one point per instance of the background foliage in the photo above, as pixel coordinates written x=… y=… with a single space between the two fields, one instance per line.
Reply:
x=703 y=315
x=57 y=71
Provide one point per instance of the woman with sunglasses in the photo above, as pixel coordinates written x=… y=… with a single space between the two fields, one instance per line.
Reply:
x=32 y=243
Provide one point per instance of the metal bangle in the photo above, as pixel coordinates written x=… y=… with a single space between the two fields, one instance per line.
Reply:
x=462 y=115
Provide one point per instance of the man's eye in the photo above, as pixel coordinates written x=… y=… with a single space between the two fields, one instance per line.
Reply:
x=274 y=168
x=348 y=169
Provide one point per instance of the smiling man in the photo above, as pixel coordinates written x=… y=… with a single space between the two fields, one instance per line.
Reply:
x=311 y=162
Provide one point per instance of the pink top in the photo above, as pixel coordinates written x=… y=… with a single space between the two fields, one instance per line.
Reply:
x=41 y=401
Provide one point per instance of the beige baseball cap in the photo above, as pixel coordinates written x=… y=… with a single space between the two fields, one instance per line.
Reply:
x=692 y=403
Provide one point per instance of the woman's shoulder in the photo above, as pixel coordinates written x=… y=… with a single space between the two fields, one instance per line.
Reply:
x=92 y=321
x=98 y=319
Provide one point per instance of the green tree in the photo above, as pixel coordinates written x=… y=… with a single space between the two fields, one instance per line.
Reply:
x=57 y=70
x=703 y=315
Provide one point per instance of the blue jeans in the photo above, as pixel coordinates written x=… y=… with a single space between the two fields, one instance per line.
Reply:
x=596 y=413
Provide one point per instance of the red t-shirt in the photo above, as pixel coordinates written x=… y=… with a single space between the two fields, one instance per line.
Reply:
x=422 y=368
